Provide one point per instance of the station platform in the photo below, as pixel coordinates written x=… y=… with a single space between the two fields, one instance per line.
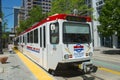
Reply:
x=19 y=67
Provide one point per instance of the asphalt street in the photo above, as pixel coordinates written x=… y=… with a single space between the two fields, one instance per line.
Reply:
x=108 y=58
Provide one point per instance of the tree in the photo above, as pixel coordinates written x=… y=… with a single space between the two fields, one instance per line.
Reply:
x=5 y=34
x=4 y=25
x=110 y=18
x=4 y=28
x=67 y=6
x=35 y=15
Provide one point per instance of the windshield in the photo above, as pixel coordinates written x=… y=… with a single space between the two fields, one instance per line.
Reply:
x=76 y=33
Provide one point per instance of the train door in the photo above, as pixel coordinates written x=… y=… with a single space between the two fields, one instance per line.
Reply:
x=43 y=46
x=54 y=48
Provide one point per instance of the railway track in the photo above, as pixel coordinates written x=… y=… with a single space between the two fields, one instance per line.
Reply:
x=78 y=76
x=81 y=77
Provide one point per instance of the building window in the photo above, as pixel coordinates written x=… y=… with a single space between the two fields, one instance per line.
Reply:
x=99 y=9
x=99 y=3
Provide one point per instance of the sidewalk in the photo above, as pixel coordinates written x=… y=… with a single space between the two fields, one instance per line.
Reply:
x=107 y=54
x=14 y=68
x=107 y=50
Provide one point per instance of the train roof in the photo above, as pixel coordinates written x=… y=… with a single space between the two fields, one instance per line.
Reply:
x=59 y=16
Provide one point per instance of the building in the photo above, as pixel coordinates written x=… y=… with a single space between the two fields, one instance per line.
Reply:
x=45 y=4
x=16 y=13
x=28 y=4
x=12 y=34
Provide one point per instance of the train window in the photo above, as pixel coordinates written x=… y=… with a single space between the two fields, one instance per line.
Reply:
x=20 y=39
x=54 y=33
x=31 y=37
x=36 y=36
x=28 y=37
x=23 y=38
x=76 y=33
x=40 y=37
x=44 y=37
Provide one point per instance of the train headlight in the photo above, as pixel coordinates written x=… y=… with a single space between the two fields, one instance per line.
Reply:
x=90 y=54
x=66 y=56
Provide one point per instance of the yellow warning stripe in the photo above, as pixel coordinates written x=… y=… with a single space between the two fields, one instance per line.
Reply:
x=109 y=70
x=39 y=73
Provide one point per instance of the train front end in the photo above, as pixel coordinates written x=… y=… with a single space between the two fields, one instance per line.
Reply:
x=77 y=46
x=74 y=48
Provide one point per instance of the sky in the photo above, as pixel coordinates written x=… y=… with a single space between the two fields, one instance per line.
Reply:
x=8 y=11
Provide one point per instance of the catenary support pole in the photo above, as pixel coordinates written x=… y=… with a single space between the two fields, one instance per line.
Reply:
x=1 y=28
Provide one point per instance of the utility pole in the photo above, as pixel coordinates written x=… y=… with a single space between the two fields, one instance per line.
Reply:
x=1 y=52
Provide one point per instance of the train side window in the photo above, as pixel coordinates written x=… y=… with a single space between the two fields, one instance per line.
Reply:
x=28 y=37
x=54 y=33
x=20 y=39
x=36 y=36
x=44 y=36
x=40 y=37
x=23 y=38
x=31 y=37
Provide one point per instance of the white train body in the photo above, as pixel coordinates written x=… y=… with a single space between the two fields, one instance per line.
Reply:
x=57 y=41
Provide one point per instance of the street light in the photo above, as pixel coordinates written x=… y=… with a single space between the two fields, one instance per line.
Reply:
x=0 y=29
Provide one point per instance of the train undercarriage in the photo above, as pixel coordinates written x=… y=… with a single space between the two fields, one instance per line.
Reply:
x=72 y=68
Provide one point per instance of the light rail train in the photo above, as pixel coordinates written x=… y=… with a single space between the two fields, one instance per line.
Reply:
x=59 y=42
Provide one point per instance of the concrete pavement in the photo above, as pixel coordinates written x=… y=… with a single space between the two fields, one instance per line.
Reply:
x=14 y=68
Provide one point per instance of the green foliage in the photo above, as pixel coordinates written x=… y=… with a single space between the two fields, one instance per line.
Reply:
x=4 y=25
x=67 y=6
x=110 y=18
x=35 y=15
x=5 y=35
